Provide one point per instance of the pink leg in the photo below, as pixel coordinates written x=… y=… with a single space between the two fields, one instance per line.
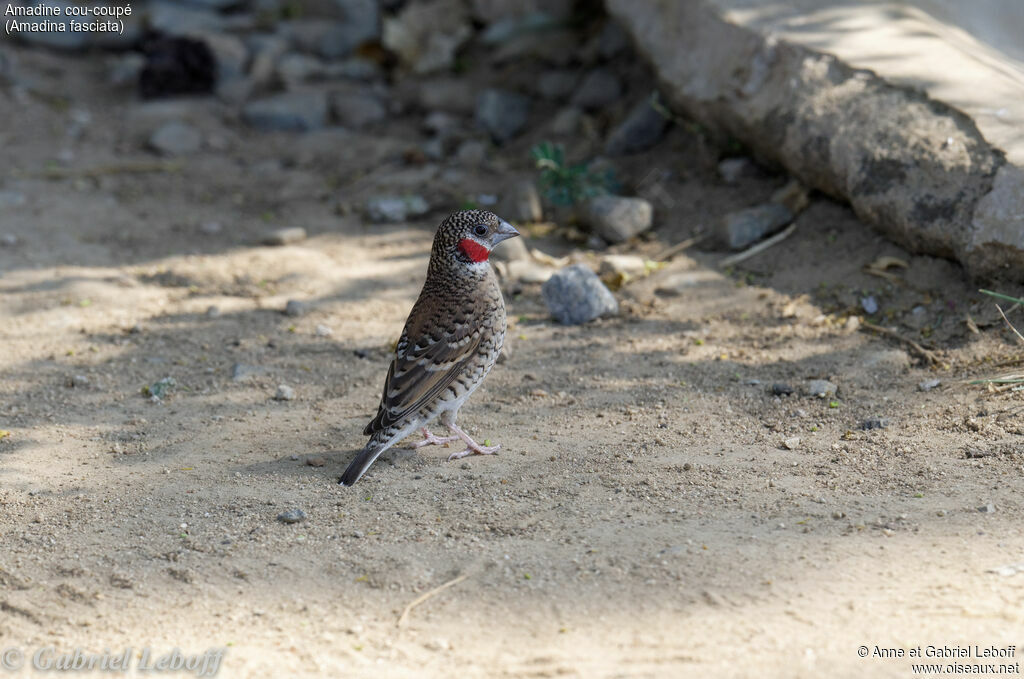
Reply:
x=472 y=447
x=431 y=440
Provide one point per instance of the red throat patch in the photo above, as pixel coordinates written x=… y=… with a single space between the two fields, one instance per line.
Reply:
x=473 y=250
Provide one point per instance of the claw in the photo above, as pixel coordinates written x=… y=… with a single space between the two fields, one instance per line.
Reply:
x=431 y=440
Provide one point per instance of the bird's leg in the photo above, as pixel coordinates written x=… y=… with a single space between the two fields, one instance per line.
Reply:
x=472 y=447
x=431 y=440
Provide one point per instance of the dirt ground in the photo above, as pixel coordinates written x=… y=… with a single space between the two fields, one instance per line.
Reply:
x=645 y=517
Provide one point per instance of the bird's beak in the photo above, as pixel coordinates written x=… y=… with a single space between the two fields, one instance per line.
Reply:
x=504 y=232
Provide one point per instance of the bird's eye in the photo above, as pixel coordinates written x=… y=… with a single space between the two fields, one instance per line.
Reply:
x=480 y=230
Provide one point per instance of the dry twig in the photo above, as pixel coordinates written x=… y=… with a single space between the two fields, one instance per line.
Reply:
x=669 y=253
x=760 y=247
x=423 y=597
x=926 y=354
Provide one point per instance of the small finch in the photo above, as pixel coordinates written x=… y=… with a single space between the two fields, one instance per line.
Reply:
x=450 y=342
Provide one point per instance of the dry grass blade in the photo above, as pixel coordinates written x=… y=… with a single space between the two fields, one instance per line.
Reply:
x=423 y=597
x=669 y=253
x=760 y=247
x=1020 y=338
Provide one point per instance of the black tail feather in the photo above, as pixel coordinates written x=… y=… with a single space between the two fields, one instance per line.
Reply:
x=361 y=463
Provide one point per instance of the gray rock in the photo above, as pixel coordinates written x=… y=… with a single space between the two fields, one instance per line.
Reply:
x=511 y=27
x=599 y=88
x=295 y=112
x=9 y=199
x=557 y=84
x=987 y=509
x=322 y=330
x=869 y=304
x=471 y=152
x=325 y=38
x=284 y=393
x=292 y=516
x=781 y=389
x=296 y=67
x=618 y=218
x=791 y=443
x=567 y=121
x=230 y=53
x=821 y=388
x=452 y=95
x=739 y=229
x=79 y=382
x=176 y=139
x=575 y=295
x=643 y=128
x=612 y=40
x=241 y=371
x=123 y=70
x=179 y=20
x=357 y=109
x=928 y=385
x=285 y=236
x=874 y=423
x=501 y=113
x=294 y=307
x=426 y=36
x=732 y=170
x=361 y=18
x=521 y=203
x=393 y=209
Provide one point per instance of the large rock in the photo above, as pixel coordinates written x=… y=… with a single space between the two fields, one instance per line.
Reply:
x=618 y=218
x=642 y=129
x=575 y=295
x=426 y=35
x=915 y=168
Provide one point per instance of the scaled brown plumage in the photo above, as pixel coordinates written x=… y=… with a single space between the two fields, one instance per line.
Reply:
x=451 y=340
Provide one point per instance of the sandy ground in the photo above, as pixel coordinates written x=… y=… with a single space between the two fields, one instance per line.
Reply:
x=644 y=518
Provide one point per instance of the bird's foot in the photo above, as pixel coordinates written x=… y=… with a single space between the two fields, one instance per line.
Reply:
x=472 y=447
x=431 y=440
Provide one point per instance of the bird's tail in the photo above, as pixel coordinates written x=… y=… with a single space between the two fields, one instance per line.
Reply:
x=362 y=462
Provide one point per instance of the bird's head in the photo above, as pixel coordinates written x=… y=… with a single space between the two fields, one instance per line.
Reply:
x=468 y=236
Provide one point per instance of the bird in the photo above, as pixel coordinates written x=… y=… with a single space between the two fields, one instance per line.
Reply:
x=451 y=340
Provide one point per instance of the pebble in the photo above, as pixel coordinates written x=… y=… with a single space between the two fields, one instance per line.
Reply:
x=599 y=88
x=618 y=218
x=557 y=84
x=987 y=509
x=741 y=228
x=781 y=389
x=286 y=236
x=732 y=170
x=393 y=209
x=357 y=110
x=791 y=443
x=211 y=228
x=294 y=307
x=290 y=112
x=322 y=330
x=575 y=295
x=176 y=139
x=284 y=393
x=241 y=371
x=874 y=423
x=521 y=204
x=213 y=311
x=928 y=385
x=10 y=199
x=78 y=382
x=869 y=304
x=501 y=113
x=471 y=152
x=642 y=129
x=567 y=121
x=292 y=516
x=316 y=461
x=821 y=388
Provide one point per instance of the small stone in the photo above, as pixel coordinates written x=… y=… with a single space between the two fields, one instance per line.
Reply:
x=286 y=236
x=426 y=36
x=241 y=371
x=357 y=110
x=471 y=152
x=501 y=113
x=522 y=203
x=599 y=88
x=617 y=218
x=791 y=443
x=78 y=382
x=211 y=228
x=213 y=311
x=8 y=240
x=575 y=295
x=928 y=385
x=9 y=199
x=869 y=304
x=732 y=170
x=739 y=229
x=557 y=84
x=687 y=466
x=291 y=112
x=465 y=465
x=176 y=139
x=322 y=330
x=394 y=209
x=292 y=516
x=781 y=389
x=874 y=423
x=987 y=509
x=284 y=393
x=567 y=121
x=642 y=129
x=316 y=461
x=294 y=307
x=821 y=388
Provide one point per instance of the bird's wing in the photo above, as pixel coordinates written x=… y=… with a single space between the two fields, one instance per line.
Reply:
x=430 y=355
